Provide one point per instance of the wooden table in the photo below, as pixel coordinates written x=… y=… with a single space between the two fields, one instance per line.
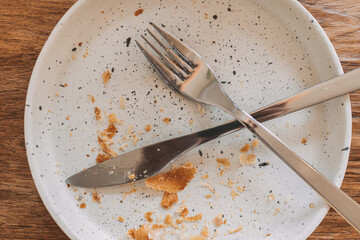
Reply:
x=24 y=28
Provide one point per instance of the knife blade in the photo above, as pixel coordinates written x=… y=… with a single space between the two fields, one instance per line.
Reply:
x=147 y=161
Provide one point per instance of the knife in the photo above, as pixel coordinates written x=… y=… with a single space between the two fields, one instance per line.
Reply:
x=147 y=161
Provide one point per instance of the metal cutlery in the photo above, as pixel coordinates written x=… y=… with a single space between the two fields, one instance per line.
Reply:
x=192 y=77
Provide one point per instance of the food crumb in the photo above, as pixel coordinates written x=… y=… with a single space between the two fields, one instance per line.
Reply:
x=147 y=128
x=92 y=98
x=245 y=148
x=96 y=197
x=231 y=231
x=148 y=216
x=166 y=120
x=168 y=200
x=212 y=189
x=311 y=205
x=205 y=176
x=138 y=12
x=172 y=181
x=120 y=219
x=205 y=231
x=277 y=210
x=224 y=161
x=195 y=218
x=233 y=194
x=206 y=16
x=248 y=160
x=83 y=205
x=106 y=76
x=191 y=122
x=218 y=221
x=67 y=117
x=271 y=197
x=112 y=118
x=197 y=238
x=230 y=183
x=122 y=103
x=303 y=141
x=201 y=109
x=102 y=158
x=255 y=143
x=208 y=196
x=132 y=176
x=268 y=235
x=98 y=114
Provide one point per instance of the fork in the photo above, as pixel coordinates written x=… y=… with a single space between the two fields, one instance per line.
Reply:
x=190 y=75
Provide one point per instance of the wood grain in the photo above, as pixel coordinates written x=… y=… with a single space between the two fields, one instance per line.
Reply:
x=24 y=28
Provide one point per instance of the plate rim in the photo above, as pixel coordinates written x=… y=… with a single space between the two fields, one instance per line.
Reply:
x=27 y=123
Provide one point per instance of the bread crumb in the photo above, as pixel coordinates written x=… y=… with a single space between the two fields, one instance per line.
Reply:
x=96 y=197
x=208 y=196
x=248 y=160
x=57 y=94
x=311 y=205
x=206 y=16
x=205 y=176
x=112 y=118
x=147 y=128
x=172 y=181
x=230 y=183
x=268 y=235
x=245 y=148
x=231 y=231
x=197 y=217
x=102 y=158
x=98 y=114
x=148 y=216
x=277 y=210
x=255 y=143
x=125 y=194
x=138 y=12
x=120 y=219
x=218 y=221
x=183 y=211
x=109 y=132
x=191 y=122
x=233 y=194
x=122 y=103
x=169 y=199
x=201 y=109
x=197 y=238
x=132 y=176
x=166 y=120
x=205 y=231
x=208 y=186
x=224 y=161
x=92 y=98
x=271 y=197
x=303 y=141
x=106 y=76
x=240 y=189
x=73 y=57
x=141 y=234
x=105 y=147
x=83 y=205
x=67 y=117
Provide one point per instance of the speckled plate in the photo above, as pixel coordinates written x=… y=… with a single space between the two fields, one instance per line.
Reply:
x=261 y=50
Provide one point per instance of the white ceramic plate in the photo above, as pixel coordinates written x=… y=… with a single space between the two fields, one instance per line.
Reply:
x=262 y=51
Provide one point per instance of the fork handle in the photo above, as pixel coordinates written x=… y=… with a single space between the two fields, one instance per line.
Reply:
x=340 y=201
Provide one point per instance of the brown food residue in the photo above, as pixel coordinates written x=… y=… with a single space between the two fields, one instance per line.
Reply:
x=147 y=128
x=169 y=199
x=106 y=76
x=245 y=148
x=98 y=114
x=198 y=238
x=205 y=231
x=255 y=143
x=125 y=194
x=96 y=197
x=247 y=160
x=303 y=141
x=138 y=12
x=166 y=120
x=218 y=221
x=113 y=119
x=233 y=194
x=122 y=103
x=195 y=218
x=121 y=219
x=172 y=181
x=224 y=161
x=105 y=147
x=205 y=176
x=83 y=205
x=102 y=158
x=67 y=117
x=109 y=132
x=148 y=216
x=231 y=231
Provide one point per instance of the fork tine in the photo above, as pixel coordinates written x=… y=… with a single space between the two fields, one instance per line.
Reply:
x=186 y=52
x=171 y=53
x=178 y=70
x=170 y=77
